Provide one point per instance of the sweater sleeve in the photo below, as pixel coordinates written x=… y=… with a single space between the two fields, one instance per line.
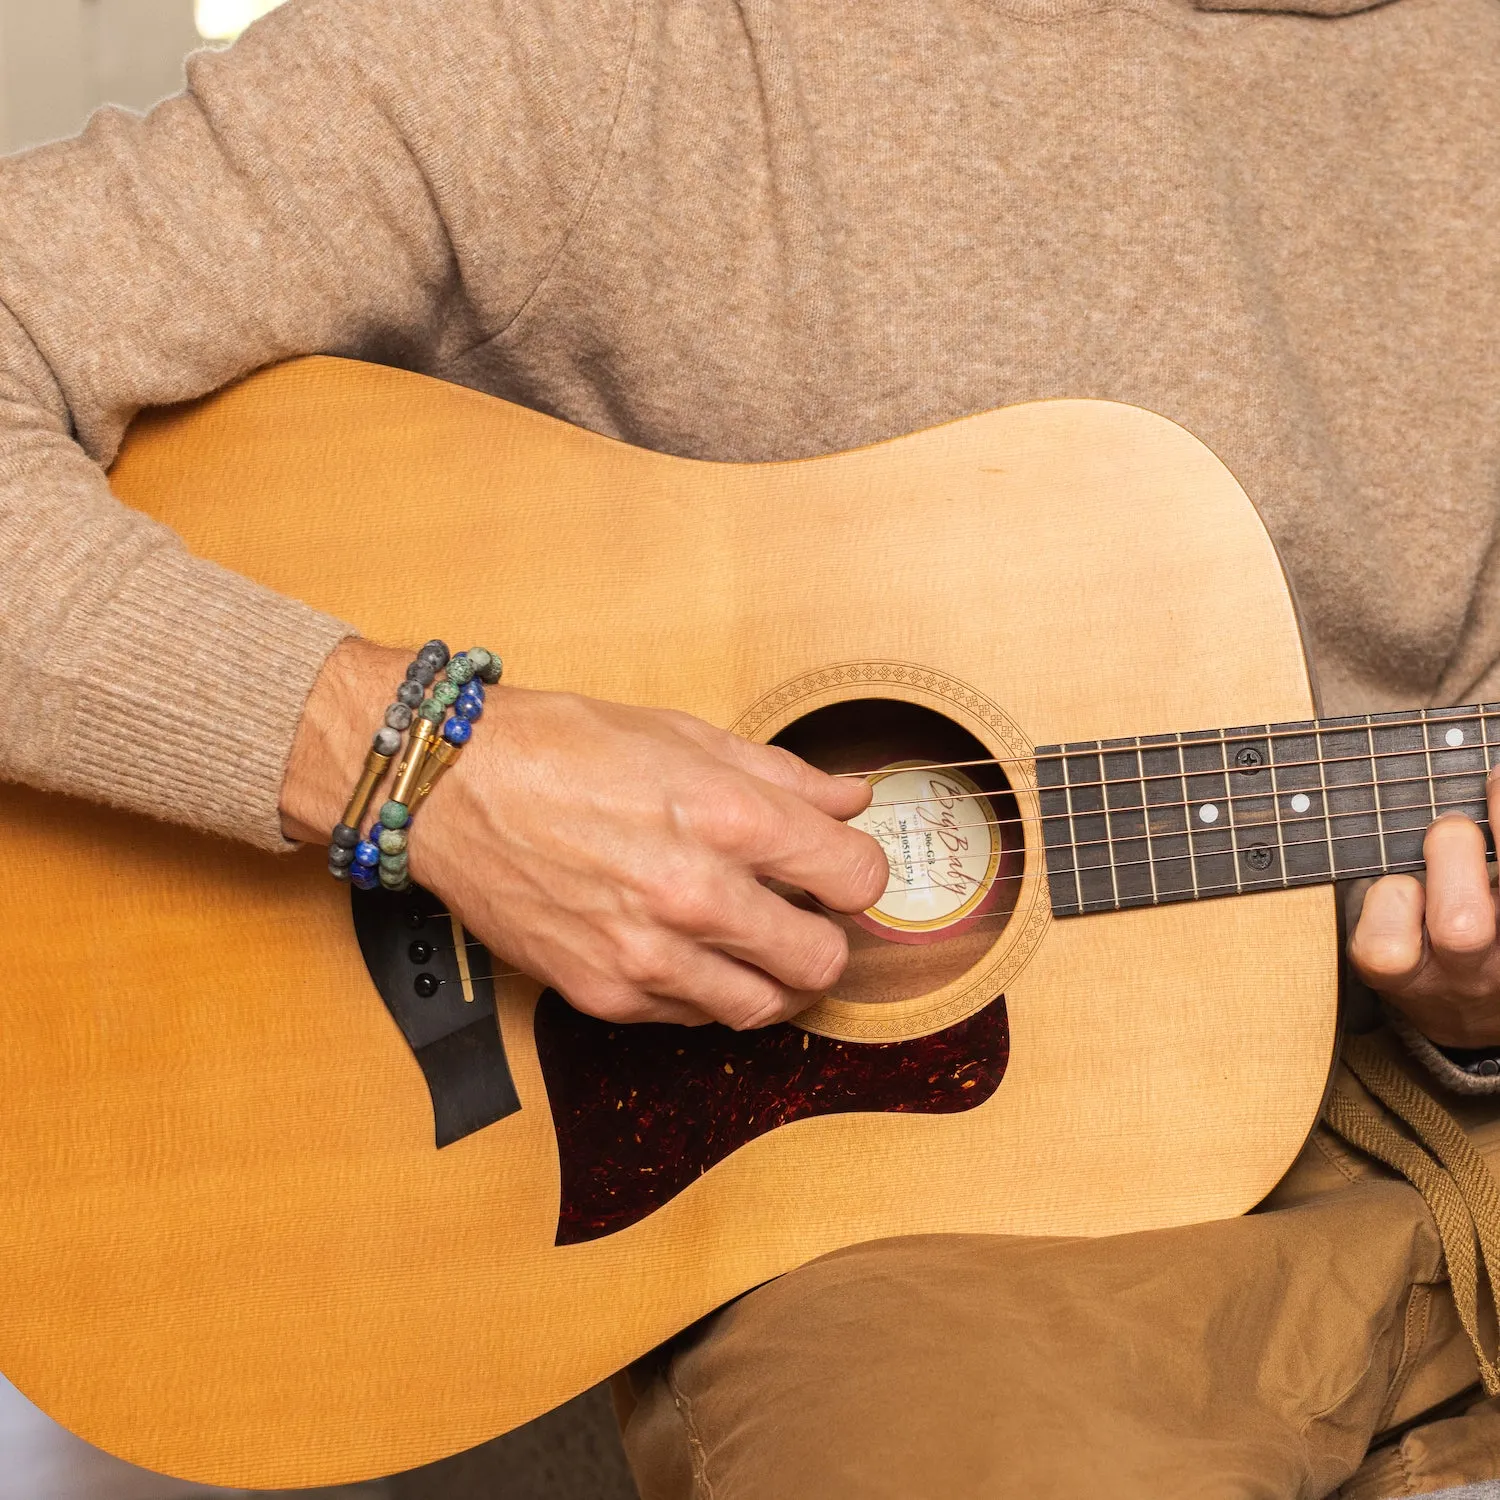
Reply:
x=300 y=197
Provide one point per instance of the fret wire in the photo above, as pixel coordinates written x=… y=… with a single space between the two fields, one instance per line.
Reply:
x=1073 y=831
x=1322 y=768
x=1187 y=821
x=1234 y=838
x=1427 y=751
x=1140 y=765
x=1286 y=879
x=1109 y=828
x=1375 y=793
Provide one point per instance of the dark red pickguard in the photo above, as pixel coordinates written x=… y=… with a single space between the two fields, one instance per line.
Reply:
x=642 y=1111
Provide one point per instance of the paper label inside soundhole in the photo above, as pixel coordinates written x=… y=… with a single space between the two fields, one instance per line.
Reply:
x=942 y=838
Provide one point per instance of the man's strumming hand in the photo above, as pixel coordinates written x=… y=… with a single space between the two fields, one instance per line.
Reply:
x=617 y=853
x=1429 y=945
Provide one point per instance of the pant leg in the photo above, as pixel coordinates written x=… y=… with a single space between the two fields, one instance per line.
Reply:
x=1253 y=1357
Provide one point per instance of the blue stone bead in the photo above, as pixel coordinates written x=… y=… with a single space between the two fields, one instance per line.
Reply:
x=458 y=731
x=473 y=689
x=367 y=854
x=365 y=879
x=468 y=708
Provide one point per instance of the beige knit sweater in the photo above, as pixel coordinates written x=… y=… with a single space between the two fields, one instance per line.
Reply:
x=752 y=229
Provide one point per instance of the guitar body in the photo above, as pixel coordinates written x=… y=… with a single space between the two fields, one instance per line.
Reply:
x=231 y=1250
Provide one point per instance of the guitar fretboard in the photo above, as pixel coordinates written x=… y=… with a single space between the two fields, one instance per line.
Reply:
x=1185 y=817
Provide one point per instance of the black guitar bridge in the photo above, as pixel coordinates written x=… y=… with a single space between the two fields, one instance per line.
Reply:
x=437 y=983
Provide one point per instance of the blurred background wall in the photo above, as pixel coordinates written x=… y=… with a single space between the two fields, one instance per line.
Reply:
x=61 y=59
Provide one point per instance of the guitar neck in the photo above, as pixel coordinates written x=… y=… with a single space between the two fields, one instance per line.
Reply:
x=1223 y=812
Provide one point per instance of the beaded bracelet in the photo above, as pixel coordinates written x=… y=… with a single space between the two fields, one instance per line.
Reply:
x=344 y=846
x=382 y=857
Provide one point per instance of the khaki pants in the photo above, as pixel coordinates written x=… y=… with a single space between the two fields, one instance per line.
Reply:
x=1256 y=1357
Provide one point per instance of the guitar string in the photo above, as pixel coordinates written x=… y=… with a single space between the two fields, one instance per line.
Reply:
x=1285 y=881
x=1225 y=771
x=1227 y=799
x=1191 y=853
x=1209 y=737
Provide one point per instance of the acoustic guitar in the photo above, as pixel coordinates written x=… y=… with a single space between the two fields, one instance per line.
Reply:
x=295 y=1192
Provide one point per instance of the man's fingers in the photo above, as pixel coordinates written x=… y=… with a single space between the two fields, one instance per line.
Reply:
x=845 y=869
x=838 y=796
x=1387 y=947
x=804 y=951
x=727 y=991
x=1460 y=909
x=779 y=835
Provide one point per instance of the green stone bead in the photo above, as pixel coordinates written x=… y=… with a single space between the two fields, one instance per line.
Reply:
x=460 y=670
x=446 y=694
x=394 y=880
x=393 y=815
x=433 y=711
x=395 y=863
x=393 y=841
x=492 y=673
x=479 y=659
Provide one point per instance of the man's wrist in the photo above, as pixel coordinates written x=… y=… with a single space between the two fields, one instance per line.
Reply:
x=333 y=736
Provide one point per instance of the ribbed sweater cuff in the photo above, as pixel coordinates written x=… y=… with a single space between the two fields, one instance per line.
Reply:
x=1448 y=1073
x=190 y=713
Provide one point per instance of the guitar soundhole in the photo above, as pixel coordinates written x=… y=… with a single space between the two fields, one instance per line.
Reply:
x=945 y=814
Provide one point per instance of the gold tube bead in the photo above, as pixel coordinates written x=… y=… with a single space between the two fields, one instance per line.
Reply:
x=376 y=766
x=442 y=757
x=424 y=731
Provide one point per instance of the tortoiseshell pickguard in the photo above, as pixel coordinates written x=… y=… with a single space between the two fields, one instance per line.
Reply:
x=643 y=1111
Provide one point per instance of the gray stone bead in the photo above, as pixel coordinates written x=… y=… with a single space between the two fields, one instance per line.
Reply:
x=345 y=837
x=410 y=693
x=435 y=652
x=339 y=872
x=387 y=740
x=421 y=671
x=340 y=858
x=398 y=716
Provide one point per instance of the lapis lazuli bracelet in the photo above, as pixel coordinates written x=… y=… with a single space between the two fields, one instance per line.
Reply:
x=382 y=857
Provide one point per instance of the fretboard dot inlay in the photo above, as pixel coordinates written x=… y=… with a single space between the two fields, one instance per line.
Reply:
x=1223 y=812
